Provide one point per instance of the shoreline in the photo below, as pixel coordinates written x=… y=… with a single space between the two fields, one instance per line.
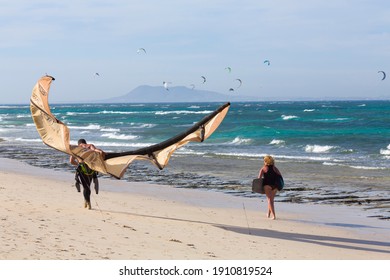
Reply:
x=43 y=218
x=320 y=184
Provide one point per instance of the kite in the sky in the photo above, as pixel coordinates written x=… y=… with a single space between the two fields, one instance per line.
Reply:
x=267 y=62
x=165 y=84
x=56 y=134
x=384 y=74
x=228 y=69
x=239 y=80
x=97 y=74
x=204 y=78
x=140 y=50
x=192 y=86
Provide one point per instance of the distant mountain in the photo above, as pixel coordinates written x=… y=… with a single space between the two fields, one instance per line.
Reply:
x=158 y=94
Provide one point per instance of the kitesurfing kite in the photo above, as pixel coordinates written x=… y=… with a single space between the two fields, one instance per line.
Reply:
x=229 y=69
x=384 y=74
x=165 y=84
x=56 y=134
x=204 y=78
x=239 y=80
x=141 y=50
x=267 y=62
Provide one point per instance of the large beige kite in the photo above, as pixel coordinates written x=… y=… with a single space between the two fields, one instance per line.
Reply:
x=55 y=134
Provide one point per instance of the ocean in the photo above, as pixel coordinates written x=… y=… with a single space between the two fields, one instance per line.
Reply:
x=330 y=152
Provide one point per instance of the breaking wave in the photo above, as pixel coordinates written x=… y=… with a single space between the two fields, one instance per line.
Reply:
x=318 y=148
x=239 y=141
x=277 y=142
x=119 y=136
x=291 y=117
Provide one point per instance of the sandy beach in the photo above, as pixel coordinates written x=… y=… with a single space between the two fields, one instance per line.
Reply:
x=42 y=218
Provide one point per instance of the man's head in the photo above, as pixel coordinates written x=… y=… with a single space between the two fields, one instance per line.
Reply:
x=81 y=141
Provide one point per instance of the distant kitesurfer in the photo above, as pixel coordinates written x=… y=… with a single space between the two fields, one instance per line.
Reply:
x=84 y=174
x=272 y=182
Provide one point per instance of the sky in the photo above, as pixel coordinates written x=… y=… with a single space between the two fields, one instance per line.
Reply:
x=318 y=49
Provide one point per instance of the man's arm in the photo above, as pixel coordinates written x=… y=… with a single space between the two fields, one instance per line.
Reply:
x=73 y=160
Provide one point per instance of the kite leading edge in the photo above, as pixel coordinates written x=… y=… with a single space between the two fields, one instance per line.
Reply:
x=55 y=134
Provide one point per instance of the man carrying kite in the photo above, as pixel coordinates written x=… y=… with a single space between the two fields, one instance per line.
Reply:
x=84 y=174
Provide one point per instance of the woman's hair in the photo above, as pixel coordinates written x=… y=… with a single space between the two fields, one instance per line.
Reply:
x=268 y=160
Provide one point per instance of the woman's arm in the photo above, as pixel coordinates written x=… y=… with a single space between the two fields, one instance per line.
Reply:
x=261 y=172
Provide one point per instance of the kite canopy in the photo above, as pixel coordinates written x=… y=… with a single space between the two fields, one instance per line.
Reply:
x=55 y=134
x=383 y=73
x=239 y=80
x=141 y=50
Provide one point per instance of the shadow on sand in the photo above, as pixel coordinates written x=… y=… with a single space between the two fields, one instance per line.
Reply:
x=329 y=241
x=321 y=240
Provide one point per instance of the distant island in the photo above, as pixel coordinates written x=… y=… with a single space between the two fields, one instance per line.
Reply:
x=159 y=94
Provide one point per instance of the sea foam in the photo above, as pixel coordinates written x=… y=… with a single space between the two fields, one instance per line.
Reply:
x=119 y=136
x=318 y=148
x=88 y=127
x=291 y=117
x=183 y=112
x=239 y=140
x=277 y=142
x=385 y=152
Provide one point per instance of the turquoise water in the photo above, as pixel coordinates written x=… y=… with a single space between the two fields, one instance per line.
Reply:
x=347 y=140
x=351 y=133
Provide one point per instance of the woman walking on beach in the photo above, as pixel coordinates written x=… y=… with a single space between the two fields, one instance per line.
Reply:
x=271 y=182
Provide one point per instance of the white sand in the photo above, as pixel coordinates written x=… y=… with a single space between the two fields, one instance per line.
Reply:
x=42 y=217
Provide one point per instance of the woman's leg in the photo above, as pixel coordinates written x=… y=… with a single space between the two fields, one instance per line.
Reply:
x=272 y=202
x=270 y=193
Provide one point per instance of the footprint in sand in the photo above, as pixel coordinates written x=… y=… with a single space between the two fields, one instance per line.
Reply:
x=211 y=254
x=175 y=240
x=129 y=227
